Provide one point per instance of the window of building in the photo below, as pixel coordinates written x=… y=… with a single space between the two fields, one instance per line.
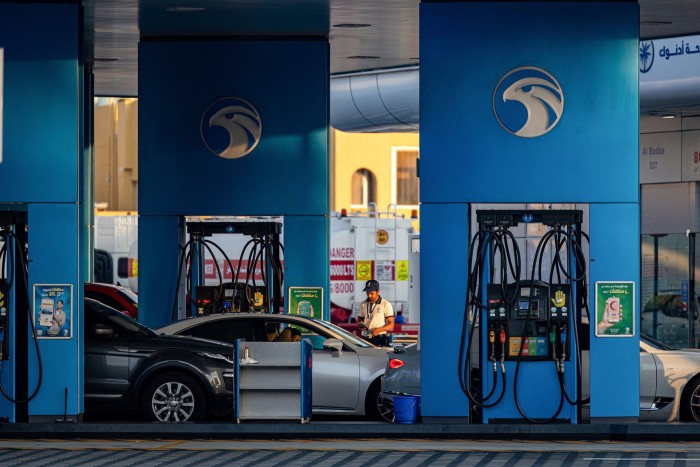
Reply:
x=364 y=188
x=406 y=186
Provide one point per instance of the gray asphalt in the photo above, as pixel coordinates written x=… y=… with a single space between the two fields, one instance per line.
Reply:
x=356 y=452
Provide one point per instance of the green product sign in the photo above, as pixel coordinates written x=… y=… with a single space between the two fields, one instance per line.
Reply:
x=306 y=301
x=614 y=309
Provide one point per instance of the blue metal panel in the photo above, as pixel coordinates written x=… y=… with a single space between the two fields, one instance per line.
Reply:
x=614 y=361
x=54 y=259
x=306 y=247
x=306 y=382
x=159 y=245
x=41 y=81
x=538 y=392
x=286 y=82
x=444 y=247
x=589 y=156
x=589 y=52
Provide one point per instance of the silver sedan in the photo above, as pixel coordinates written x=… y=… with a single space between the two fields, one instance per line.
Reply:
x=346 y=370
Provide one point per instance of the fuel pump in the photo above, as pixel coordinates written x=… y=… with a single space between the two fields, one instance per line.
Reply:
x=243 y=293
x=529 y=325
x=15 y=318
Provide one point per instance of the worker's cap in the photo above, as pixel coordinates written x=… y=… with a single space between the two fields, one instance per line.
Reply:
x=371 y=286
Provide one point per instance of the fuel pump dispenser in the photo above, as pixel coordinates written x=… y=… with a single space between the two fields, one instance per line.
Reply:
x=243 y=293
x=15 y=320
x=530 y=325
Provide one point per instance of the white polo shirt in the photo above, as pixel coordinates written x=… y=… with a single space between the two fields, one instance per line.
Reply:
x=375 y=314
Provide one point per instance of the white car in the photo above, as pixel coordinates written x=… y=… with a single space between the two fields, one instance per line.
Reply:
x=669 y=384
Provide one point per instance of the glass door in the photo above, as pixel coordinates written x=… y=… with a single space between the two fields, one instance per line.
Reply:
x=669 y=301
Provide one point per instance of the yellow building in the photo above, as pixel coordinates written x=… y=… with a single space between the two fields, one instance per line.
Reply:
x=378 y=168
x=366 y=168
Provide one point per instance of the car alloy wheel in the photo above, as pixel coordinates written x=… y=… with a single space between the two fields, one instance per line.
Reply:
x=386 y=408
x=690 y=402
x=174 y=397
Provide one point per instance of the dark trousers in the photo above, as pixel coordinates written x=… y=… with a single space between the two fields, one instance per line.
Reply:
x=382 y=340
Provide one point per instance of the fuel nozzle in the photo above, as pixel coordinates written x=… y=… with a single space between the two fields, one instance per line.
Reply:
x=492 y=345
x=553 y=340
x=502 y=340
x=563 y=335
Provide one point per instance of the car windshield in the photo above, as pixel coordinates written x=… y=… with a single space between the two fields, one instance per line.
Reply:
x=119 y=319
x=653 y=342
x=342 y=332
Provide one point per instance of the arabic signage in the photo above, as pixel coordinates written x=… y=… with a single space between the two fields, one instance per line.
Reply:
x=306 y=301
x=665 y=58
x=614 y=309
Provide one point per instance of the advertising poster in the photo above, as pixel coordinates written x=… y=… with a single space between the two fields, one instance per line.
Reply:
x=306 y=301
x=614 y=309
x=53 y=311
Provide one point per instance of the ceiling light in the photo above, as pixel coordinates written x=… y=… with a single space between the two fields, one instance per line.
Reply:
x=352 y=25
x=668 y=116
x=364 y=57
x=184 y=9
x=105 y=59
x=655 y=23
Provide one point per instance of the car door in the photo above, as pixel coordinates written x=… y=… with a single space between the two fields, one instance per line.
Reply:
x=335 y=375
x=106 y=357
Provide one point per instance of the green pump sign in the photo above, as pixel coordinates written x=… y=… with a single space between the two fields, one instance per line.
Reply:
x=614 y=309
x=306 y=301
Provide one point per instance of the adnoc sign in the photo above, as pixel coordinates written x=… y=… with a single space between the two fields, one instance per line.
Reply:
x=528 y=102
x=669 y=71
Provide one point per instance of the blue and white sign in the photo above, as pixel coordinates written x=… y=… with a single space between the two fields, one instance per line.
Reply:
x=528 y=102
x=231 y=128
x=684 y=291
x=669 y=71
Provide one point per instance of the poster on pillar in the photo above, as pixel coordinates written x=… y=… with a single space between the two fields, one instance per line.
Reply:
x=614 y=309
x=53 y=315
x=234 y=127
x=527 y=103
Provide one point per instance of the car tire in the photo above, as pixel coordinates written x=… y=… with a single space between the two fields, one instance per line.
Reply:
x=690 y=401
x=385 y=406
x=371 y=401
x=174 y=397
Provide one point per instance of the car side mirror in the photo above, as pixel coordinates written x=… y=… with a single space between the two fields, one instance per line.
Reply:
x=333 y=344
x=102 y=330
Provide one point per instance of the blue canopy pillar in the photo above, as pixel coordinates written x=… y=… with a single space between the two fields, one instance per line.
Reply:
x=232 y=127
x=527 y=103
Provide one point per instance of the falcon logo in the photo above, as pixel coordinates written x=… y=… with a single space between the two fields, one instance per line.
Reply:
x=231 y=128
x=528 y=102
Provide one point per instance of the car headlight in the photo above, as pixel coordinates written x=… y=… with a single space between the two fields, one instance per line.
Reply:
x=214 y=379
x=216 y=356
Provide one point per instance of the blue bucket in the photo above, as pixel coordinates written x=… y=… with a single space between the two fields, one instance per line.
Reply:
x=406 y=409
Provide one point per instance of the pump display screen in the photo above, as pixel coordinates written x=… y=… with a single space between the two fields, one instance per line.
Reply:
x=528 y=307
